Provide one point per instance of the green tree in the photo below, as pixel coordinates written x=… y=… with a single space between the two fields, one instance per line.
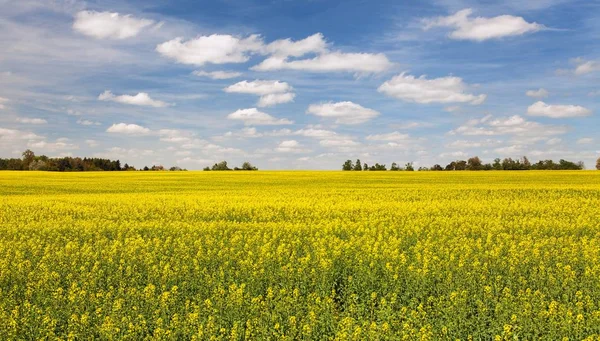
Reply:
x=474 y=163
x=28 y=158
x=394 y=167
x=598 y=164
x=221 y=166
x=248 y=166
x=497 y=165
x=409 y=167
x=365 y=167
x=347 y=166
x=357 y=165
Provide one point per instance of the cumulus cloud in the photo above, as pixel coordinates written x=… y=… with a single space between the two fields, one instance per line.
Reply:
x=583 y=66
x=3 y=101
x=142 y=99
x=585 y=140
x=274 y=99
x=271 y=92
x=214 y=49
x=91 y=143
x=128 y=129
x=540 y=93
x=252 y=116
x=27 y=120
x=481 y=28
x=14 y=134
x=290 y=146
x=394 y=136
x=462 y=144
x=87 y=122
x=259 y=87
x=288 y=48
x=557 y=111
x=107 y=25
x=513 y=125
x=329 y=62
x=59 y=144
x=325 y=60
x=343 y=112
x=422 y=90
x=217 y=74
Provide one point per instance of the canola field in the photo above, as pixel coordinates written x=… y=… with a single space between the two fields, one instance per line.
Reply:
x=300 y=256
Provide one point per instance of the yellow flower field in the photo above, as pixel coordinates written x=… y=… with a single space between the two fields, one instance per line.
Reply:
x=300 y=255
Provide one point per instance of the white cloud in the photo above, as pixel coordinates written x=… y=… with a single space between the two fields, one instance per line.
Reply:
x=252 y=116
x=290 y=146
x=259 y=87
x=246 y=132
x=557 y=111
x=553 y=141
x=329 y=62
x=394 y=136
x=13 y=134
x=128 y=129
x=274 y=99
x=287 y=48
x=343 y=112
x=422 y=90
x=217 y=74
x=526 y=131
x=541 y=93
x=141 y=98
x=92 y=143
x=509 y=150
x=338 y=143
x=215 y=49
x=458 y=154
x=59 y=144
x=87 y=122
x=27 y=120
x=480 y=28
x=583 y=67
x=462 y=144
x=3 y=101
x=109 y=25
x=271 y=92
x=585 y=140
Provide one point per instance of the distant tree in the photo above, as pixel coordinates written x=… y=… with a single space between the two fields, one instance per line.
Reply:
x=598 y=164
x=174 y=169
x=461 y=165
x=409 y=167
x=525 y=163
x=158 y=168
x=347 y=166
x=437 y=167
x=474 y=164
x=394 y=167
x=221 y=166
x=28 y=158
x=378 y=167
x=451 y=166
x=206 y=168
x=497 y=165
x=357 y=165
x=247 y=166
x=365 y=167
x=146 y=168
x=38 y=165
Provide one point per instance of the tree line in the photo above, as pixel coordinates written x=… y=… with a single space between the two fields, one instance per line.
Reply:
x=30 y=161
x=475 y=164
x=222 y=166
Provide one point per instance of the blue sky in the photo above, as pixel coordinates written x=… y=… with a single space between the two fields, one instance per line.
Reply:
x=300 y=84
